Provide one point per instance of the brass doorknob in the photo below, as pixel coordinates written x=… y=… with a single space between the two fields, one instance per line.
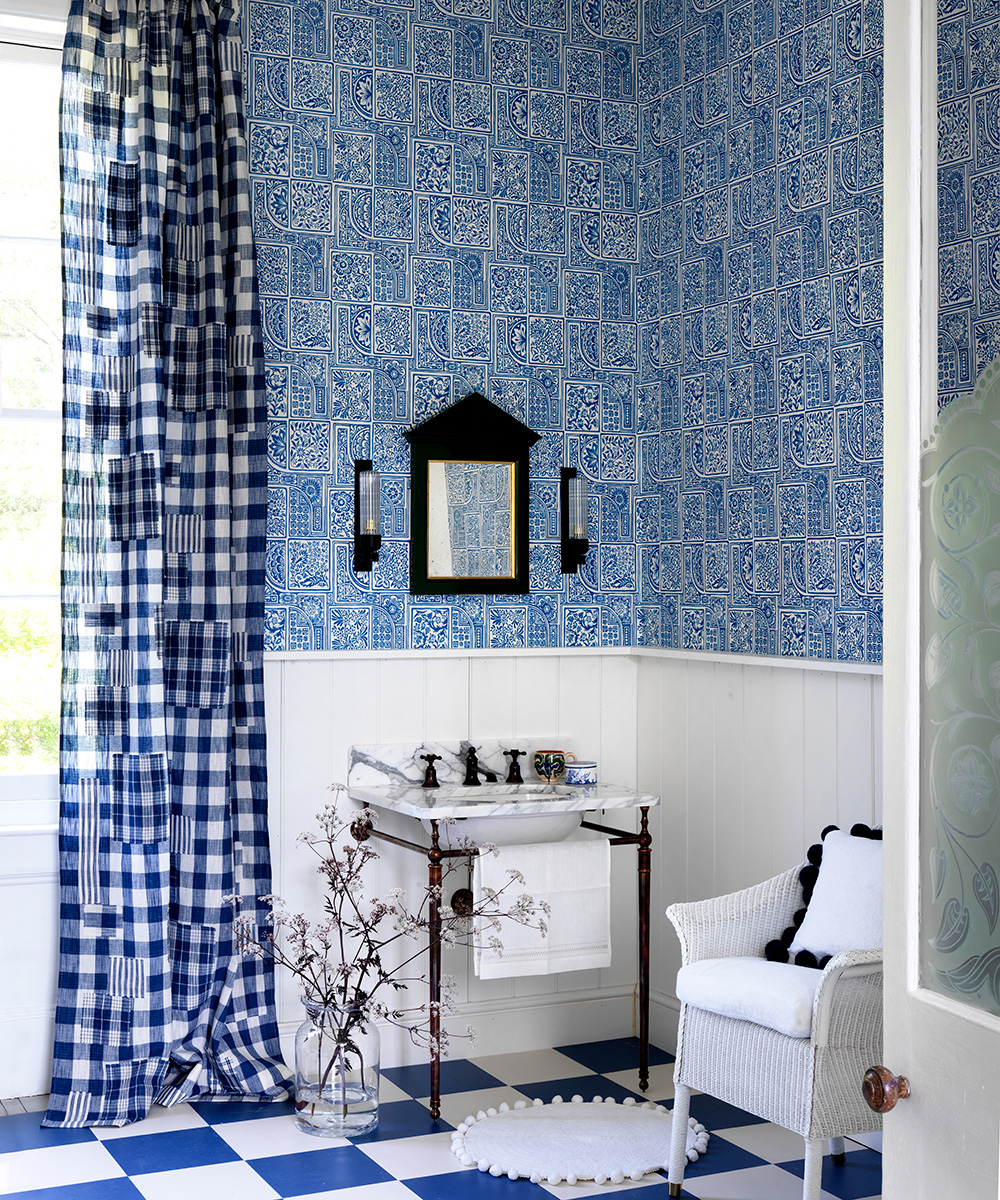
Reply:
x=882 y=1089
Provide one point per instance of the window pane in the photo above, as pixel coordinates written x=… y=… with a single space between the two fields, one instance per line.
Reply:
x=29 y=137
x=30 y=506
x=30 y=324
x=29 y=697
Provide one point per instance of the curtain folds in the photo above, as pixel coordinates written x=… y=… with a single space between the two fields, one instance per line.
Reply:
x=162 y=780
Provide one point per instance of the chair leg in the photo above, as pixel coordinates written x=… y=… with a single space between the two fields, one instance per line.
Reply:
x=814 y=1168
x=837 y=1151
x=678 y=1138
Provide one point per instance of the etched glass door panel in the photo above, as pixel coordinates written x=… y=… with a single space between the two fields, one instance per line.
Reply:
x=960 y=713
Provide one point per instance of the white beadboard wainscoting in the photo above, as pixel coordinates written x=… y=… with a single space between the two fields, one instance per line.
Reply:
x=752 y=758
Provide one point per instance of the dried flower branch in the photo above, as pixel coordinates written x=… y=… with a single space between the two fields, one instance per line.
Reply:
x=338 y=960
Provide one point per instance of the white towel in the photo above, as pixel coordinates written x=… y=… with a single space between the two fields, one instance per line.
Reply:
x=574 y=877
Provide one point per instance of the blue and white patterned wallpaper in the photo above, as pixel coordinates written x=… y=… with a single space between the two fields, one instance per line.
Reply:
x=968 y=193
x=653 y=234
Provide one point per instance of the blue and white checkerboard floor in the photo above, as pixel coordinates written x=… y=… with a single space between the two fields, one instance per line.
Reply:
x=254 y=1152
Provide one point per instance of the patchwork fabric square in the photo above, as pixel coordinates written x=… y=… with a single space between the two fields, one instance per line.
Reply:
x=196 y=666
x=122 y=203
x=198 y=367
x=141 y=809
x=133 y=498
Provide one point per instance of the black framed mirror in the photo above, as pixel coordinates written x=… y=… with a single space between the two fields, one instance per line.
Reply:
x=469 y=501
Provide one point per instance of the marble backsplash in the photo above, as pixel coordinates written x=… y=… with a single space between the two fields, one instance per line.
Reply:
x=400 y=762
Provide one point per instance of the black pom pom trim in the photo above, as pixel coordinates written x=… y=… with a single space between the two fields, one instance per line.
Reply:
x=777 y=951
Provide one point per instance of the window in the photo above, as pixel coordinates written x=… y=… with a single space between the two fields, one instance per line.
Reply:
x=30 y=397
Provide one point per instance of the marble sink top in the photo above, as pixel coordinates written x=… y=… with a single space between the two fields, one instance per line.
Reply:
x=497 y=799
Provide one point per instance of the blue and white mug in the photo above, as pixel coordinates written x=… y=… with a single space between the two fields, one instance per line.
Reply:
x=581 y=773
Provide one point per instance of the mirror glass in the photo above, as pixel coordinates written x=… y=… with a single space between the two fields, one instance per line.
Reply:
x=470 y=519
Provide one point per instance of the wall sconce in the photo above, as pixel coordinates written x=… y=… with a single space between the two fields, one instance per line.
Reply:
x=367 y=515
x=572 y=519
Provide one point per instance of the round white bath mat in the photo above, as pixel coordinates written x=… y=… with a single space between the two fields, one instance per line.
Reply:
x=565 y=1142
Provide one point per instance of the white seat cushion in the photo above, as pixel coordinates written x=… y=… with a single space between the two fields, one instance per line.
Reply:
x=778 y=995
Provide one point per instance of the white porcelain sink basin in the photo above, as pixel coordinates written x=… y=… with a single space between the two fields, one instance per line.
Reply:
x=506 y=828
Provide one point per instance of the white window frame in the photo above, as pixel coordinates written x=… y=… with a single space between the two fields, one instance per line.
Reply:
x=31 y=31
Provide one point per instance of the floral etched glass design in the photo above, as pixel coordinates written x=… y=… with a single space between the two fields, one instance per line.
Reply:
x=960 y=713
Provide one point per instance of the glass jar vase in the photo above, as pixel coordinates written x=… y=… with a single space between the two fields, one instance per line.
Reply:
x=336 y=1071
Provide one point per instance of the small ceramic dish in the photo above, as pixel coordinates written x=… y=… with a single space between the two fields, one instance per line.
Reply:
x=581 y=772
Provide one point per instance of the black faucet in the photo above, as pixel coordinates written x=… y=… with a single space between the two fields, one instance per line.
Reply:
x=473 y=770
x=430 y=775
x=514 y=774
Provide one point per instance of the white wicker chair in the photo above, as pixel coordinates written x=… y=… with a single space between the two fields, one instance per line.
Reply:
x=810 y=1085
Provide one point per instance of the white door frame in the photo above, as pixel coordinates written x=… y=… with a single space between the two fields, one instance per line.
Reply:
x=943 y=1139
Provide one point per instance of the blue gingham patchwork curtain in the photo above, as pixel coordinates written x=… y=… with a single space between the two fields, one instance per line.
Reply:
x=163 y=806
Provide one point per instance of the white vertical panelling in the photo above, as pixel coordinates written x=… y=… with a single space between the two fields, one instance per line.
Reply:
x=536 y=697
x=854 y=749
x=402 y=713
x=730 y=769
x=700 y=767
x=819 y=792
x=491 y=698
x=750 y=762
x=787 y=746
x=877 y=749
x=446 y=699
x=758 y=752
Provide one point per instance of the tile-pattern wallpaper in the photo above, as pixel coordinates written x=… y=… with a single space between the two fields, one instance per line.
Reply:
x=653 y=233
x=968 y=193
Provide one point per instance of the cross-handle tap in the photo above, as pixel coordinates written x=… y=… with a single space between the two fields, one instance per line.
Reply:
x=514 y=774
x=430 y=775
x=473 y=770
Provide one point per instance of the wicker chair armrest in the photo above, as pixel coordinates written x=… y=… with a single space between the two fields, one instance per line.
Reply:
x=849 y=996
x=741 y=923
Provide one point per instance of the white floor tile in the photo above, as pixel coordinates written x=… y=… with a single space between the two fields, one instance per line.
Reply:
x=369 y=1191
x=661 y=1082
x=766 y=1141
x=753 y=1183
x=531 y=1066
x=220 y=1181
x=267 y=1136
x=56 y=1166
x=157 y=1120
x=872 y=1140
x=414 y=1157
x=387 y=1091
x=457 y=1106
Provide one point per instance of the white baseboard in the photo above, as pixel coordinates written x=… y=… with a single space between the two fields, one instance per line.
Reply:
x=533 y=1024
x=529 y=1024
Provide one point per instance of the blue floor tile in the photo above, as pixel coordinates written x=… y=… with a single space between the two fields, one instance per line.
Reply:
x=318 y=1171
x=24 y=1131
x=717 y=1114
x=98 y=1189
x=241 y=1110
x=587 y=1086
x=145 y=1153
x=722 y=1156
x=858 y=1178
x=618 y=1054
x=401 y=1119
x=473 y=1185
x=457 y=1075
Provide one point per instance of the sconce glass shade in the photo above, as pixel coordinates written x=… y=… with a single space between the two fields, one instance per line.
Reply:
x=572 y=519
x=367 y=515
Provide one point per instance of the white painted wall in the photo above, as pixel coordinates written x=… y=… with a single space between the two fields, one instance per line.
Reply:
x=751 y=756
